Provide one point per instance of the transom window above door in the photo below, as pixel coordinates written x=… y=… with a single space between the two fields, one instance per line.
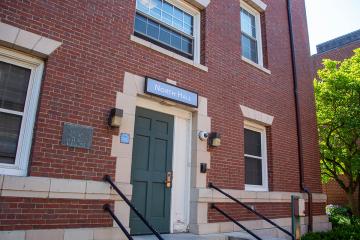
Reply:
x=251 y=34
x=173 y=26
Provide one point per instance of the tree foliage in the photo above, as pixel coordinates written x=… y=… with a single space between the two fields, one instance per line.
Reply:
x=337 y=94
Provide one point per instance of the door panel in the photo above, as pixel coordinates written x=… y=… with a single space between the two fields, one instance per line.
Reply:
x=152 y=159
x=140 y=156
x=160 y=155
x=158 y=200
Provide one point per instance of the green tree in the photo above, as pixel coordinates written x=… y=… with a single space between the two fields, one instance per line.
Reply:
x=337 y=94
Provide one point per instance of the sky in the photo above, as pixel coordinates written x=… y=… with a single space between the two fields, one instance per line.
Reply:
x=328 y=19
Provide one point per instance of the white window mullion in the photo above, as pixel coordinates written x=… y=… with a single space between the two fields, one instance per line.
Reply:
x=252 y=156
x=3 y=110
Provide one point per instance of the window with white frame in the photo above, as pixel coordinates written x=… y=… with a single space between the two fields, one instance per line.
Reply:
x=251 y=34
x=20 y=77
x=173 y=25
x=255 y=150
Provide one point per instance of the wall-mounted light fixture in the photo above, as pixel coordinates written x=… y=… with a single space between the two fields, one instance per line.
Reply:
x=115 y=117
x=214 y=139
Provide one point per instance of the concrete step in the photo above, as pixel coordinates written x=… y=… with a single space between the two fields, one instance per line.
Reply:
x=188 y=236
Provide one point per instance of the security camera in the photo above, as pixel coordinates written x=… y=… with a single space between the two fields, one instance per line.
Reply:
x=203 y=135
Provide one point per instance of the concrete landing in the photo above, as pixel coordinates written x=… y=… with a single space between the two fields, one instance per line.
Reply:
x=188 y=236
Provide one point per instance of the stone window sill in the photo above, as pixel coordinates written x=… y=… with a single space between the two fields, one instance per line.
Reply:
x=167 y=52
x=256 y=65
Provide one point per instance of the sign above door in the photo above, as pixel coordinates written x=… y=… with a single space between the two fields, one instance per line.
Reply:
x=171 y=92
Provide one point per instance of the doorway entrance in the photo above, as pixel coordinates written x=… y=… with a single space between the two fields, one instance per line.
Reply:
x=151 y=174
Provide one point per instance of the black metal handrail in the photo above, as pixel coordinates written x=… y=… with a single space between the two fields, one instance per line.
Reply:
x=107 y=208
x=108 y=179
x=234 y=221
x=252 y=210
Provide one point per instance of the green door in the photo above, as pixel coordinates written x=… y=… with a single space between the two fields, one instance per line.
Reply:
x=151 y=164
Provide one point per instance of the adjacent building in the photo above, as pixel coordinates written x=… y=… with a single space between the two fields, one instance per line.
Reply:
x=336 y=49
x=165 y=97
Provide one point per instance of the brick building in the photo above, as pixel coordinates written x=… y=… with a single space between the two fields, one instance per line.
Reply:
x=336 y=49
x=172 y=69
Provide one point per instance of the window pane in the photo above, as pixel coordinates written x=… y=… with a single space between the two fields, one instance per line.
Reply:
x=254 y=51
x=155 y=8
x=155 y=4
x=186 y=45
x=168 y=8
x=167 y=13
x=14 y=82
x=153 y=29
x=245 y=46
x=248 y=23
x=165 y=35
x=178 y=24
x=156 y=13
x=176 y=40
x=188 y=29
x=140 y=24
x=188 y=19
x=178 y=13
x=143 y=5
x=167 y=18
x=249 y=48
x=252 y=142
x=253 y=171
x=9 y=135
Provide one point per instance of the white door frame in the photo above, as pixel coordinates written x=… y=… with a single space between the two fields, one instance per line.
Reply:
x=180 y=192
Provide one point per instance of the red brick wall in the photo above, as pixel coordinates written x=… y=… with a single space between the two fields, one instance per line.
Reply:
x=83 y=75
x=39 y=213
x=335 y=194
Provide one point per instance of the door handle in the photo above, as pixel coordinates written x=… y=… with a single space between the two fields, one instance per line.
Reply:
x=168 y=180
